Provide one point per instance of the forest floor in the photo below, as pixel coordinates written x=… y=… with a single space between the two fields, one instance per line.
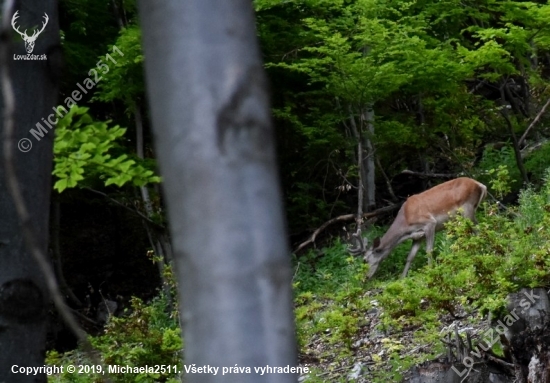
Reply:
x=374 y=355
x=367 y=342
x=344 y=337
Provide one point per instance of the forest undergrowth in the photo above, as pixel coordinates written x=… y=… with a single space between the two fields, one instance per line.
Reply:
x=387 y=325
x=383 y=326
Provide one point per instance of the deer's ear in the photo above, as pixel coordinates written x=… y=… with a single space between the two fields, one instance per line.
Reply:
x=376 y=243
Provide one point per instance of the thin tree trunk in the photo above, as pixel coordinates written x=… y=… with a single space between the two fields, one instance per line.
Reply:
x=216 y=152
x=360 y=172
x=360 y=188
x=161 y=260
x=369 y=164
x=365 y=158
x=159 y=242
x=29 y=91
x=517 y=151
x=118 y=16
x=140 y=151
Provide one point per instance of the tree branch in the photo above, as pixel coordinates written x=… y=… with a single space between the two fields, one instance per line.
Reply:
x=535 y=120
x=386 y=178
x=134 y=211
x=432 y=175
x=342 y=218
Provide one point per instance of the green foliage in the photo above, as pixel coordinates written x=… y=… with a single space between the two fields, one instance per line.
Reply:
x=430 y=70
x=330 y=309
x=336 y=278
x=500 y=182
x=147 y=335
x=477 y=270
x=87 y=28
x=87 y=149
x=536 y=163
x=124 y=79
x=498 y=169
x=476 y=267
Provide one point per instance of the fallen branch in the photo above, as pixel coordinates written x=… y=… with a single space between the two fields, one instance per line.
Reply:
x=507 y=366
x=345 y=217
x=85 y=318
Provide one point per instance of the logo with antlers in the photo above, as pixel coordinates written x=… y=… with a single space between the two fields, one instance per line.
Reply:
x=29 y=40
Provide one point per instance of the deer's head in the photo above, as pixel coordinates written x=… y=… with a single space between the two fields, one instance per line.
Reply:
x=372 y=255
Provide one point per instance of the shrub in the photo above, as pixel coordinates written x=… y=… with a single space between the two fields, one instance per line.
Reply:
x=146 y=336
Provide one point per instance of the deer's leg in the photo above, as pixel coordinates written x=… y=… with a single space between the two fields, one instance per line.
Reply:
x=470 y=213
x=410 y=257
x=430 y=239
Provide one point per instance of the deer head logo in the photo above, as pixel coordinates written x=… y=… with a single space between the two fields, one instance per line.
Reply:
x=29 y=40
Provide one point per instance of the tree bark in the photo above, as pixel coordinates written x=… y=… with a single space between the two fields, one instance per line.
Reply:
x=369 y=166
x=23 y=293
x=208 y=98
x=154 y=236
x=363 y=133
x=361 y=175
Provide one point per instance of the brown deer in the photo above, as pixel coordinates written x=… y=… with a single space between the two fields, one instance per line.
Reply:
x=421 y=216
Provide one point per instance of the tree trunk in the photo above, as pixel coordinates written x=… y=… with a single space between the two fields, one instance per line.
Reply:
x=207 y=91
x=369 y=165
x=23 y=293
x=361 y=175
x=515 y=144
x=155 y=237
x=363 y=133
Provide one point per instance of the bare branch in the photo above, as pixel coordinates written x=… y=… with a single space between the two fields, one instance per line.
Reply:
x=343 y=218
x=386 y=178
x=533 y=123
x=432 y=175
x=134 y=211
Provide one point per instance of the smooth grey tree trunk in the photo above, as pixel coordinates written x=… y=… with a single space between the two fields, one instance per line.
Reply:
x=23 y=296
x=213 y=136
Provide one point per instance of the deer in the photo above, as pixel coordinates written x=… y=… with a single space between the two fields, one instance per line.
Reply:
x=419 y=218
x=29 y=40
